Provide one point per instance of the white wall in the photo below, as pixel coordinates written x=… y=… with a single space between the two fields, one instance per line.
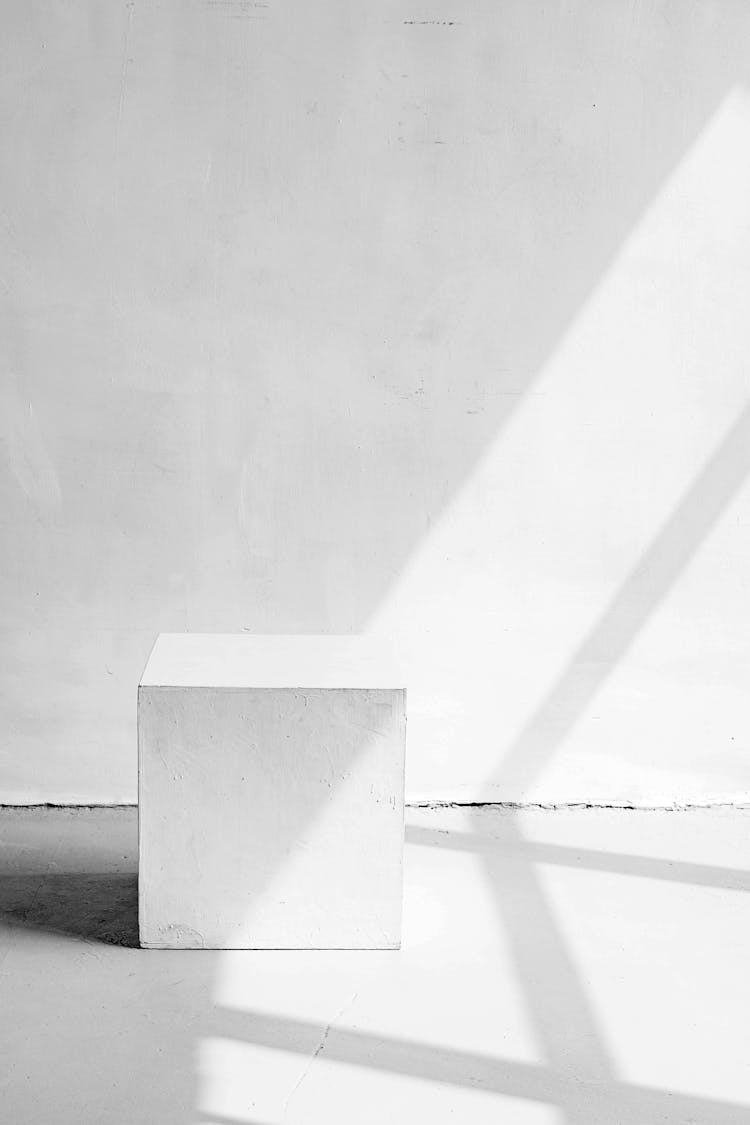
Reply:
x=426 y=319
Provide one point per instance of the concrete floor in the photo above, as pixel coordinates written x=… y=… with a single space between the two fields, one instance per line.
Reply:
x=582 y=966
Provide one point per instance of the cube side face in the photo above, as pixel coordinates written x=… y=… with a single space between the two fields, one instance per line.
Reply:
x=271 y=818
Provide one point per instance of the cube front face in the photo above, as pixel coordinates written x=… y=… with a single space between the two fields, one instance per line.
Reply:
x=270 y=818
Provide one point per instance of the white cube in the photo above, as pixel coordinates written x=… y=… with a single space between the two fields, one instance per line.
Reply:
x=271 y=793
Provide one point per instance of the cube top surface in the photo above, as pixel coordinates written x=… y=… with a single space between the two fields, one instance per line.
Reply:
x=244 y=660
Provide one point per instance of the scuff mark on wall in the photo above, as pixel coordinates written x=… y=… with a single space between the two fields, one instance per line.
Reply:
x=239 y=9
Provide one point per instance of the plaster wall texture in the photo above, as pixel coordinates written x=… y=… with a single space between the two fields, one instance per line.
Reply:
x=422 y=321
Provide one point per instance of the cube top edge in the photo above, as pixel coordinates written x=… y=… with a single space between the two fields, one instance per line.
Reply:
x=246 y=660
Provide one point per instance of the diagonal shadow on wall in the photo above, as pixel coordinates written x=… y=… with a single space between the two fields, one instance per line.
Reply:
x=669 y=553
x=557 y=1002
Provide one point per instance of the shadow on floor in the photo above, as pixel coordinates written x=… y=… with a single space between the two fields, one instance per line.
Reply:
x=93 y=1029
x=94 y=906
x=581 y=1099
x=68 y=1008
x=578 y=1075
x=589 y=859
